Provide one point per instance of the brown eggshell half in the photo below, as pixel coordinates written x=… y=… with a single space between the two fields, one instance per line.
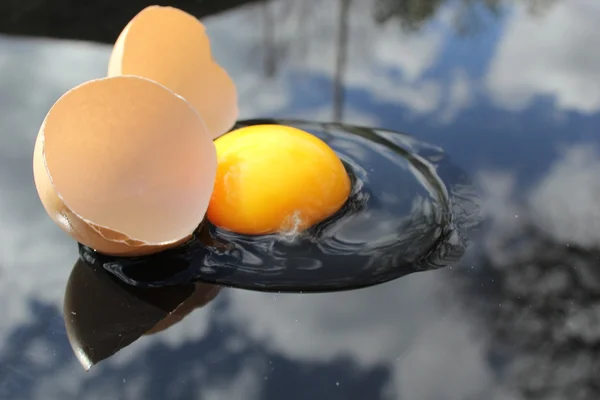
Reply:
x=171 y=47
x=124 y=165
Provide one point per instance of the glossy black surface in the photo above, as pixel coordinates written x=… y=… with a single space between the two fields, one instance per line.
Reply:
x=95 y=305
x=400 y=218
x=507 y=89
x=103 y=315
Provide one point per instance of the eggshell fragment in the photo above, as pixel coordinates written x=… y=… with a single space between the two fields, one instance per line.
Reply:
x=124 y=165
x=171 y=47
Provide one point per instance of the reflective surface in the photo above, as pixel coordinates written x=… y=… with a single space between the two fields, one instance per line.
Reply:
x=103 y=315
x=505 y=88
x=400 y=218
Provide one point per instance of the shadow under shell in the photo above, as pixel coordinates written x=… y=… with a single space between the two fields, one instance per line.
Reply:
x=409 y=211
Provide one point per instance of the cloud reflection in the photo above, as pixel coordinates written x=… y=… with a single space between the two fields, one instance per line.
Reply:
x=549 y=56
x=383 y=59
x=535 y=288
x=566 y=203
x=399 y=335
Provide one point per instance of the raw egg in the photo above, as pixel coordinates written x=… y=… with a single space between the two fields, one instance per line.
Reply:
x=275 y=178
x=124 y=165
x=170 y=46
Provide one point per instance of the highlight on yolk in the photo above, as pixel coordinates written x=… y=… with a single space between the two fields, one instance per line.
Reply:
x=171 y=47
x=275 y=178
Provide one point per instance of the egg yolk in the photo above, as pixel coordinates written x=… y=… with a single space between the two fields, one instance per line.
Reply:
x=275 y=178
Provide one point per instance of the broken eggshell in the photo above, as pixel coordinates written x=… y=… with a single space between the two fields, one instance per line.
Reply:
x=170 y=46
x=124 y=165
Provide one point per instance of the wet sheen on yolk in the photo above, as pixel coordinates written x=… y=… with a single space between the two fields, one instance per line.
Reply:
x=275 y=178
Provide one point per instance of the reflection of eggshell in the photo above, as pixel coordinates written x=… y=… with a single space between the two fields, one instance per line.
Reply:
x=124 y=165
x=169 y=46
x=204 y=294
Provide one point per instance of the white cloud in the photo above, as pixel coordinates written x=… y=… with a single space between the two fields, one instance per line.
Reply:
x=372 y=47
x=535 y=275
x=550 y=55
x=246 y=385
x=35 y=73
x=460 y=95
x=566 y=203
x=440 y=362
x=383 y=59
x=237 y=43
x=316 y=327
x=325 y=114
x=400 y=324
x=563 y=205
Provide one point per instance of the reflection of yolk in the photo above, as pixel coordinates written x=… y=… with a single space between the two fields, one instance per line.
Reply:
x=274 y=178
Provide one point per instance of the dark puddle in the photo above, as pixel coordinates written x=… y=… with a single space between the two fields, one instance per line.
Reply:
x=410 y=210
